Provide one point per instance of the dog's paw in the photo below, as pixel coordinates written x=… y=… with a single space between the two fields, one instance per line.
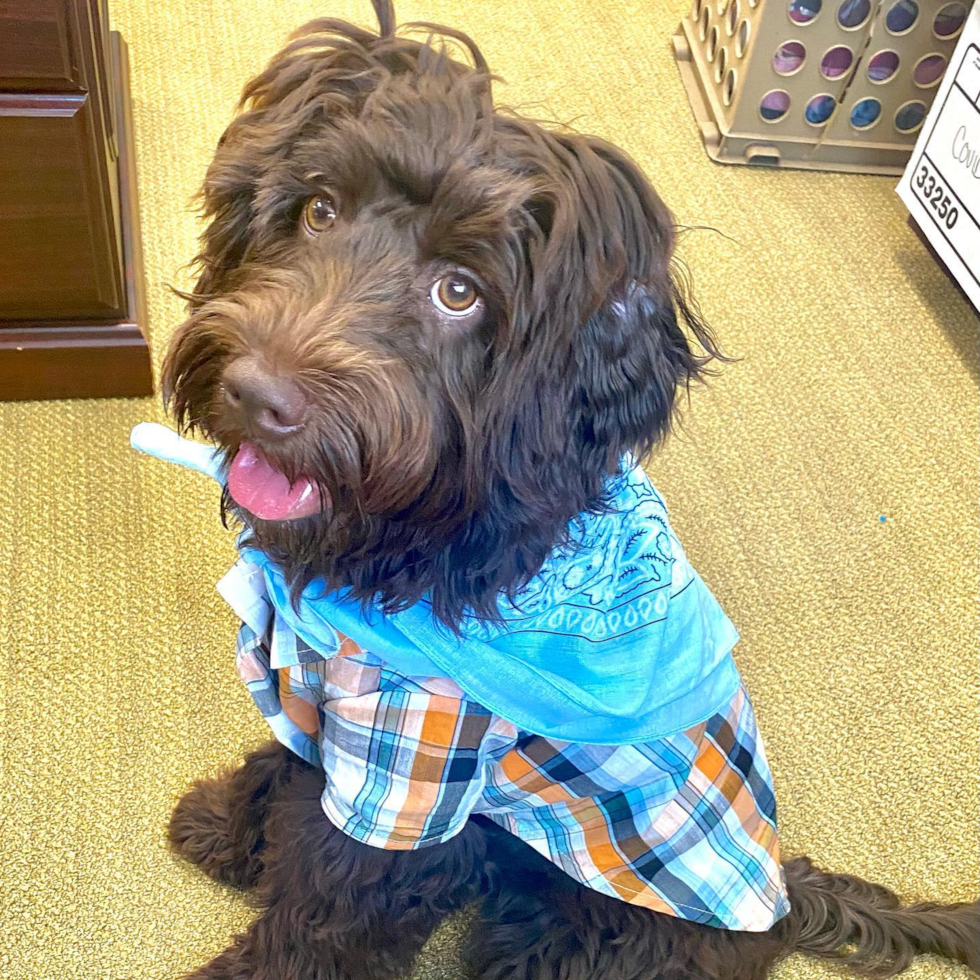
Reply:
x=202 y=831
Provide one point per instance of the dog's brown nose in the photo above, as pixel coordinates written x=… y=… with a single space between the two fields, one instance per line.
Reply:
x=271 y=404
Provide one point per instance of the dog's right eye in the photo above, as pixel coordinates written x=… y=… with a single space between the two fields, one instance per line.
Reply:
x=455 y=295
x=319 y=213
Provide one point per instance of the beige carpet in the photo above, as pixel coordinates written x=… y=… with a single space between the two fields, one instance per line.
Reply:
x=856 y=400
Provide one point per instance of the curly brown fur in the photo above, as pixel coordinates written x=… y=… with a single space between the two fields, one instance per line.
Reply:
x=538 y=924
x=454 y=455
x=335 y=909
x=219 y=823
x=323 y=895
x=451 y=455
x=832 y=911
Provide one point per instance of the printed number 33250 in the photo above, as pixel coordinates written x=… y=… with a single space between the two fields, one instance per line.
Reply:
x=934 y=192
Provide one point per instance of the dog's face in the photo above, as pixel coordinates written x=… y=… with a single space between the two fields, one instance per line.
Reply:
x=425 y=332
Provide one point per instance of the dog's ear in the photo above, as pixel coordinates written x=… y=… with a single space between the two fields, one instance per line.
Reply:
x=646 y=341
x=226 y=198
x=639 y=339
x=602 y=338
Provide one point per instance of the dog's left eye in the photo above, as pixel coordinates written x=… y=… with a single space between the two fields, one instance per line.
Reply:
x=319 y=213
x=455 y=295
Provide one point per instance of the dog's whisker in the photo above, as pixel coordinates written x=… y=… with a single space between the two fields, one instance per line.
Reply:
x=683 y=230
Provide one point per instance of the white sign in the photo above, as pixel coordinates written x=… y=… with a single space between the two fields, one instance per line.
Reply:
x=941 y=185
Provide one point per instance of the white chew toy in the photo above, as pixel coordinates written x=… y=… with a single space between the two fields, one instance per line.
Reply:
x=163 y=443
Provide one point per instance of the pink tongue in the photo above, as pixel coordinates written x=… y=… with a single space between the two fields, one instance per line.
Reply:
x=265 y=492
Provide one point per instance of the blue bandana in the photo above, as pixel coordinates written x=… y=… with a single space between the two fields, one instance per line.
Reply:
x=616 y=640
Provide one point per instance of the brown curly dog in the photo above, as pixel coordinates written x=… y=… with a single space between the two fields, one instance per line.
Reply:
x=451 y=437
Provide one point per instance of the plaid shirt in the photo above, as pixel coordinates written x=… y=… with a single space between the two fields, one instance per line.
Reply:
x=684 y=824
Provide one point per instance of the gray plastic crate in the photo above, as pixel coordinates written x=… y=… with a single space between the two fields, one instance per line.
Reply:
x=818 y=84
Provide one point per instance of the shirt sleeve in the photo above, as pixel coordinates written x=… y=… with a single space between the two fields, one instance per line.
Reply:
x=405 y=767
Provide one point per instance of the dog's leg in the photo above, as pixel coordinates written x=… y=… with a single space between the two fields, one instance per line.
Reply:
x=218 y=823
x=538 y=924
x=336 y=909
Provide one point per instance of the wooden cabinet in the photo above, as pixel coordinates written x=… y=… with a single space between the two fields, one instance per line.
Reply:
x=71 y=280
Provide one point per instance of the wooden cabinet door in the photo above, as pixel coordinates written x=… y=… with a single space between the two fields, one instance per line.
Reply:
x=60 y=254
x=60 y=247
x=37 y=51
x=71 y=291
